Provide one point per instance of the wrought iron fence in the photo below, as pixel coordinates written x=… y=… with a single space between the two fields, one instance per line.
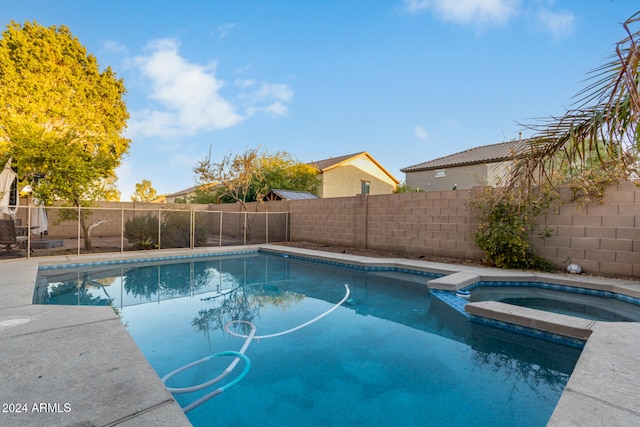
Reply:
x=69 y=231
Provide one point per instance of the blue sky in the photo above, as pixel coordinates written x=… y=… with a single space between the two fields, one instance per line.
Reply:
x=406 y=80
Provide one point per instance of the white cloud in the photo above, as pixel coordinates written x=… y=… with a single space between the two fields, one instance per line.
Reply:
x=416 y=6
x=276 y=109
x=187 y=96
x=266 y=97
x=113 y=47
x=245 y=83
x=559 y=24
x=225 y=29
x=420 y=132
x=482 y=13
x=187 y=93
x=466 y=11
x=182 y=161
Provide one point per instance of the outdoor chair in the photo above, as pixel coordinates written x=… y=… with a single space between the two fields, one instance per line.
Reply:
x=8 y=238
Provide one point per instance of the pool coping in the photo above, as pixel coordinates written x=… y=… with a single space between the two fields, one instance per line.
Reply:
x=108 y=381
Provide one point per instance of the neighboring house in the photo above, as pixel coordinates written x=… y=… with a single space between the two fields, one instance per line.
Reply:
x=342 y=176
x=288 y=195
x=182 y=196
x=179 y=197
x=353 y=174
x=464 y=170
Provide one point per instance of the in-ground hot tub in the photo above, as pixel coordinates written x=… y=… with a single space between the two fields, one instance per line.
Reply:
x=586 y=303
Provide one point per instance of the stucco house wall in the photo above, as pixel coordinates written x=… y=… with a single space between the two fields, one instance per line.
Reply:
x=346 y=180
x=343 y=176
x=463 y=177
x=483 y=165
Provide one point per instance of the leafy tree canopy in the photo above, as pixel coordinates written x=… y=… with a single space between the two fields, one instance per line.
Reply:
x=231 y=178
x=247 y=177
x=283 y=172
x=144 y=192
x=404 y=188
x=61 y=118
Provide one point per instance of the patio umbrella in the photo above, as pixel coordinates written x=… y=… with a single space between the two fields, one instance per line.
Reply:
x=9 y=199
x=39 y=220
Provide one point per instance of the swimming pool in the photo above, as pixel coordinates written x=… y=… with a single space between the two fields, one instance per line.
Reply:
x=391 y=354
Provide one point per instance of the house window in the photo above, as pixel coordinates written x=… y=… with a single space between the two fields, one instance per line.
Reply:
x=364 y=187
x=441 y=173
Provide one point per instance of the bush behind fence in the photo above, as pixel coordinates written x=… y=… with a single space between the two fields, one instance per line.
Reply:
x=118 y=229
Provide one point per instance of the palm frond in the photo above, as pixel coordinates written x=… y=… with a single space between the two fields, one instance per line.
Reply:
x=602 y=128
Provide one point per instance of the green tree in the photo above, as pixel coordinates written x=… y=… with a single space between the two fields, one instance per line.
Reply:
x=404 y=188
x=281 y=171
x=144 y=192
x=203 y=196
x=247 y=177
x=233 y=177
x=61 y=118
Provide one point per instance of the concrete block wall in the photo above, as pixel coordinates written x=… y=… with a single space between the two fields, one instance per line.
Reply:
x=331 y=221
x=602 y=237
x=433 y=223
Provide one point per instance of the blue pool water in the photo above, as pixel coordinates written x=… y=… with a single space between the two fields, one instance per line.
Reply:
x=391 y=355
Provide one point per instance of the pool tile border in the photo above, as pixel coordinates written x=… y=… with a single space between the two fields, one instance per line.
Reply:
x=532 y=332
x=354 y=266
x=556 y=287
x=48 y=267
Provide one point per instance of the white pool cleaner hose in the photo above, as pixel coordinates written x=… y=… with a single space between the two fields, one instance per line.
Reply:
x=288 y=331
x=238 y=355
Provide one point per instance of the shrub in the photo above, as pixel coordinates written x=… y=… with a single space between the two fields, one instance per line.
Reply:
x=176 y=230
x=504 y=226
x=142 y=231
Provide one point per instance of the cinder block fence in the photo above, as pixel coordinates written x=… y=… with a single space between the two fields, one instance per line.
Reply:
x=603 y=237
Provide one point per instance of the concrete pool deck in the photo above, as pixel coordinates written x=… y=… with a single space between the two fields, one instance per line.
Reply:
x=70 y=365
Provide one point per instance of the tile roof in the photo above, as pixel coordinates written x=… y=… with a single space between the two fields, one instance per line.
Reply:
x=321 y=165
x=484 y=154
x=184 y=192
x=191 y=190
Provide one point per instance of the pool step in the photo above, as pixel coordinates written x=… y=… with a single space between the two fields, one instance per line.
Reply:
x=554 y=323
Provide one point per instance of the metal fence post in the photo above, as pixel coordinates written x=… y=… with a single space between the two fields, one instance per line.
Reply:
x=220 y=229
x=192 y=229
x=287 y=220
x=79 y=230
x=121 y=229
x=29 y=232
x=245 y=229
